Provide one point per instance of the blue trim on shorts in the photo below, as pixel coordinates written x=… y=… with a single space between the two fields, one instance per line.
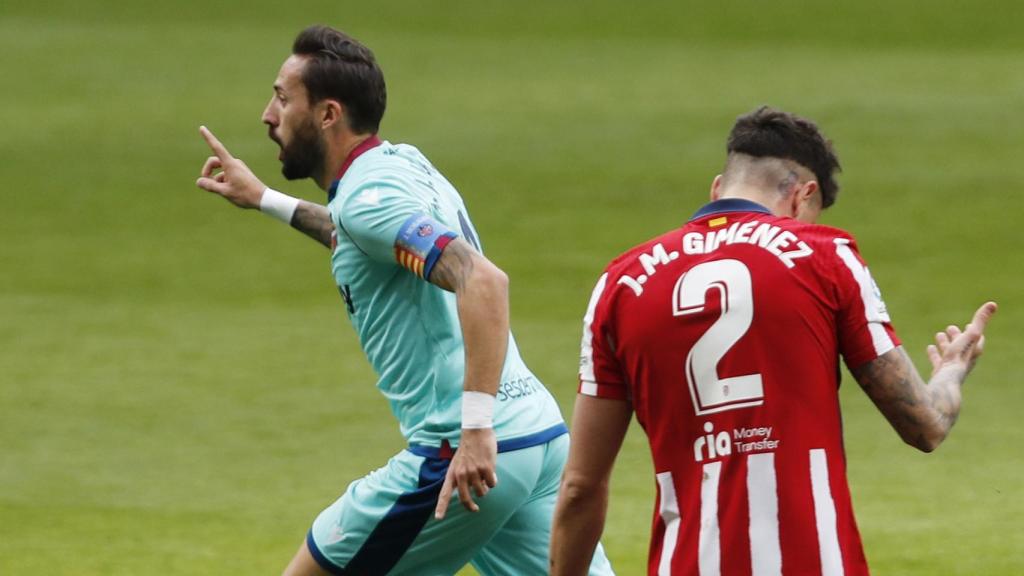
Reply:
x=322 y=560
x=509 y=445
x=395 y=533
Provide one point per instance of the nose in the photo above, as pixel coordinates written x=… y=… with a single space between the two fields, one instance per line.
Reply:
x=270 y=114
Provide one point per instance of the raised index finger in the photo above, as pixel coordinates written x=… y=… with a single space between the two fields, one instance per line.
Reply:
x=983 y=315
x=215 y=144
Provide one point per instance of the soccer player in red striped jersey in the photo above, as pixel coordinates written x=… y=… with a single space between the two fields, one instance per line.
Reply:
x=724 y=336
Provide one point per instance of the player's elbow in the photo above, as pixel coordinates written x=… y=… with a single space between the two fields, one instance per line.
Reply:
x=923 y=443
x=927 y=439
x=491 y=281
x=577 y=490
x=497 y=278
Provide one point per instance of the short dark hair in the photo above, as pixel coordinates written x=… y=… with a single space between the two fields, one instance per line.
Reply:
x=767 y=132
x=341 y=68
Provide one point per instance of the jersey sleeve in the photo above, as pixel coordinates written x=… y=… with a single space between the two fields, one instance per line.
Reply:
x=600 y=372
x=391 y=225
x=865 y=330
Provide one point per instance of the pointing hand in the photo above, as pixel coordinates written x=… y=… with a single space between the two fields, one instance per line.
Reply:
x=235 y=182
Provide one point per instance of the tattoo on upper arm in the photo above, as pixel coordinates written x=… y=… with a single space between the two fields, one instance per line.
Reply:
x=454 y=266
x=314 y=221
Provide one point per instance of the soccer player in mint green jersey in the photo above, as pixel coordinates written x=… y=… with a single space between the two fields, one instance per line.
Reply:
x=431 y=313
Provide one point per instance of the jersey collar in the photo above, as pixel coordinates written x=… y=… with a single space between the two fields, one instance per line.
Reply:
x=729 y=205
x=363 y=147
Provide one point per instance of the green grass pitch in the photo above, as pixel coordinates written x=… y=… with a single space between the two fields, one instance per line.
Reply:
x=180 y=392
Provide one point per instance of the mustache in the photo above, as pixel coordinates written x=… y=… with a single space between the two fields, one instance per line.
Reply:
x=272 y=136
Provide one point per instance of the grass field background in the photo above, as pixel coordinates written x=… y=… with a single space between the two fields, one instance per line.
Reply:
x=180 y=392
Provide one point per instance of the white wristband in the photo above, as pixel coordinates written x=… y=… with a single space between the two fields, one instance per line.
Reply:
x=280 y=206
x=477 y=410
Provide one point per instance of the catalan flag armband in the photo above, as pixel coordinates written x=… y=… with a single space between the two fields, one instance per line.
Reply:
x=420 y=242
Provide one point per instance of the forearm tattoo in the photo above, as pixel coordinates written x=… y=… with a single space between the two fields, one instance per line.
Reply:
x=913 y=407
x=314 y=221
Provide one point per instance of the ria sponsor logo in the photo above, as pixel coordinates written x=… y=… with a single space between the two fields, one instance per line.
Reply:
x=712 y=445
x=742 y=441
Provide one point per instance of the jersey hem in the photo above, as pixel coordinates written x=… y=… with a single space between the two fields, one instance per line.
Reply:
x=506 y=445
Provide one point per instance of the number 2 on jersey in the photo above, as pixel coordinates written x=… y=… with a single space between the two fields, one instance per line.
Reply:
x=731 y=279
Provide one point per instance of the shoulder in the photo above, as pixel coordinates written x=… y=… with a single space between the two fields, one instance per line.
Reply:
x=638 y=264
x=395 y=168
x=375 y=191
x=664 y=245
x=826 y=244
x=391 y=160
x=821 y=235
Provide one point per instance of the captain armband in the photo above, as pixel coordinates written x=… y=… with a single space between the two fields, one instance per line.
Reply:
x=420 y=242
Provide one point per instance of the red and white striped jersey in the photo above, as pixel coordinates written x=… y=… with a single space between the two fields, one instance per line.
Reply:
x=726 y=335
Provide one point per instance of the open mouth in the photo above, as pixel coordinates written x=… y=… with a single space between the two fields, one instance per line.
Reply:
x=280 y=153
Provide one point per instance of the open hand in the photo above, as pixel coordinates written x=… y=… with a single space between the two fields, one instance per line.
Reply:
x=235 y=181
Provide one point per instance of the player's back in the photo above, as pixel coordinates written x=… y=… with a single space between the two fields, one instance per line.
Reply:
x=725 y=335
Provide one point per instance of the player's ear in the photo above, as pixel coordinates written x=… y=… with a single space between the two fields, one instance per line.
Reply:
x=332 y=113
x=806 y=202
x=716 y=186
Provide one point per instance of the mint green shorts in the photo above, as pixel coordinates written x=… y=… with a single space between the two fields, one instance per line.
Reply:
x=384 y=523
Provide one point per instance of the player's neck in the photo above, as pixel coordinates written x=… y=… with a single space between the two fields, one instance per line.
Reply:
x=768 y=199
x=337 y=152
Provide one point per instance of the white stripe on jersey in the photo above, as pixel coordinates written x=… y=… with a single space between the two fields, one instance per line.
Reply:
x=588 y=384
x=709 y=555
x=874 y=309
x=669 y=510
x=825 y=516
x=763 y=499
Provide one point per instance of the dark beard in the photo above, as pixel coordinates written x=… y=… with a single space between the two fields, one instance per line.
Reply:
x=304 y=156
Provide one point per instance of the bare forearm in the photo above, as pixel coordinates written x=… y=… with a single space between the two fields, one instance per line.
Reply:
x=598 y=426
x=481 y=289
x=578 y=523
x=314 y=221
x=483 y=314
x=944 y=394
x=921 y=413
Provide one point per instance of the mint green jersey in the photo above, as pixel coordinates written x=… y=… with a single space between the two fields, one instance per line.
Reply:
x=393 y=214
